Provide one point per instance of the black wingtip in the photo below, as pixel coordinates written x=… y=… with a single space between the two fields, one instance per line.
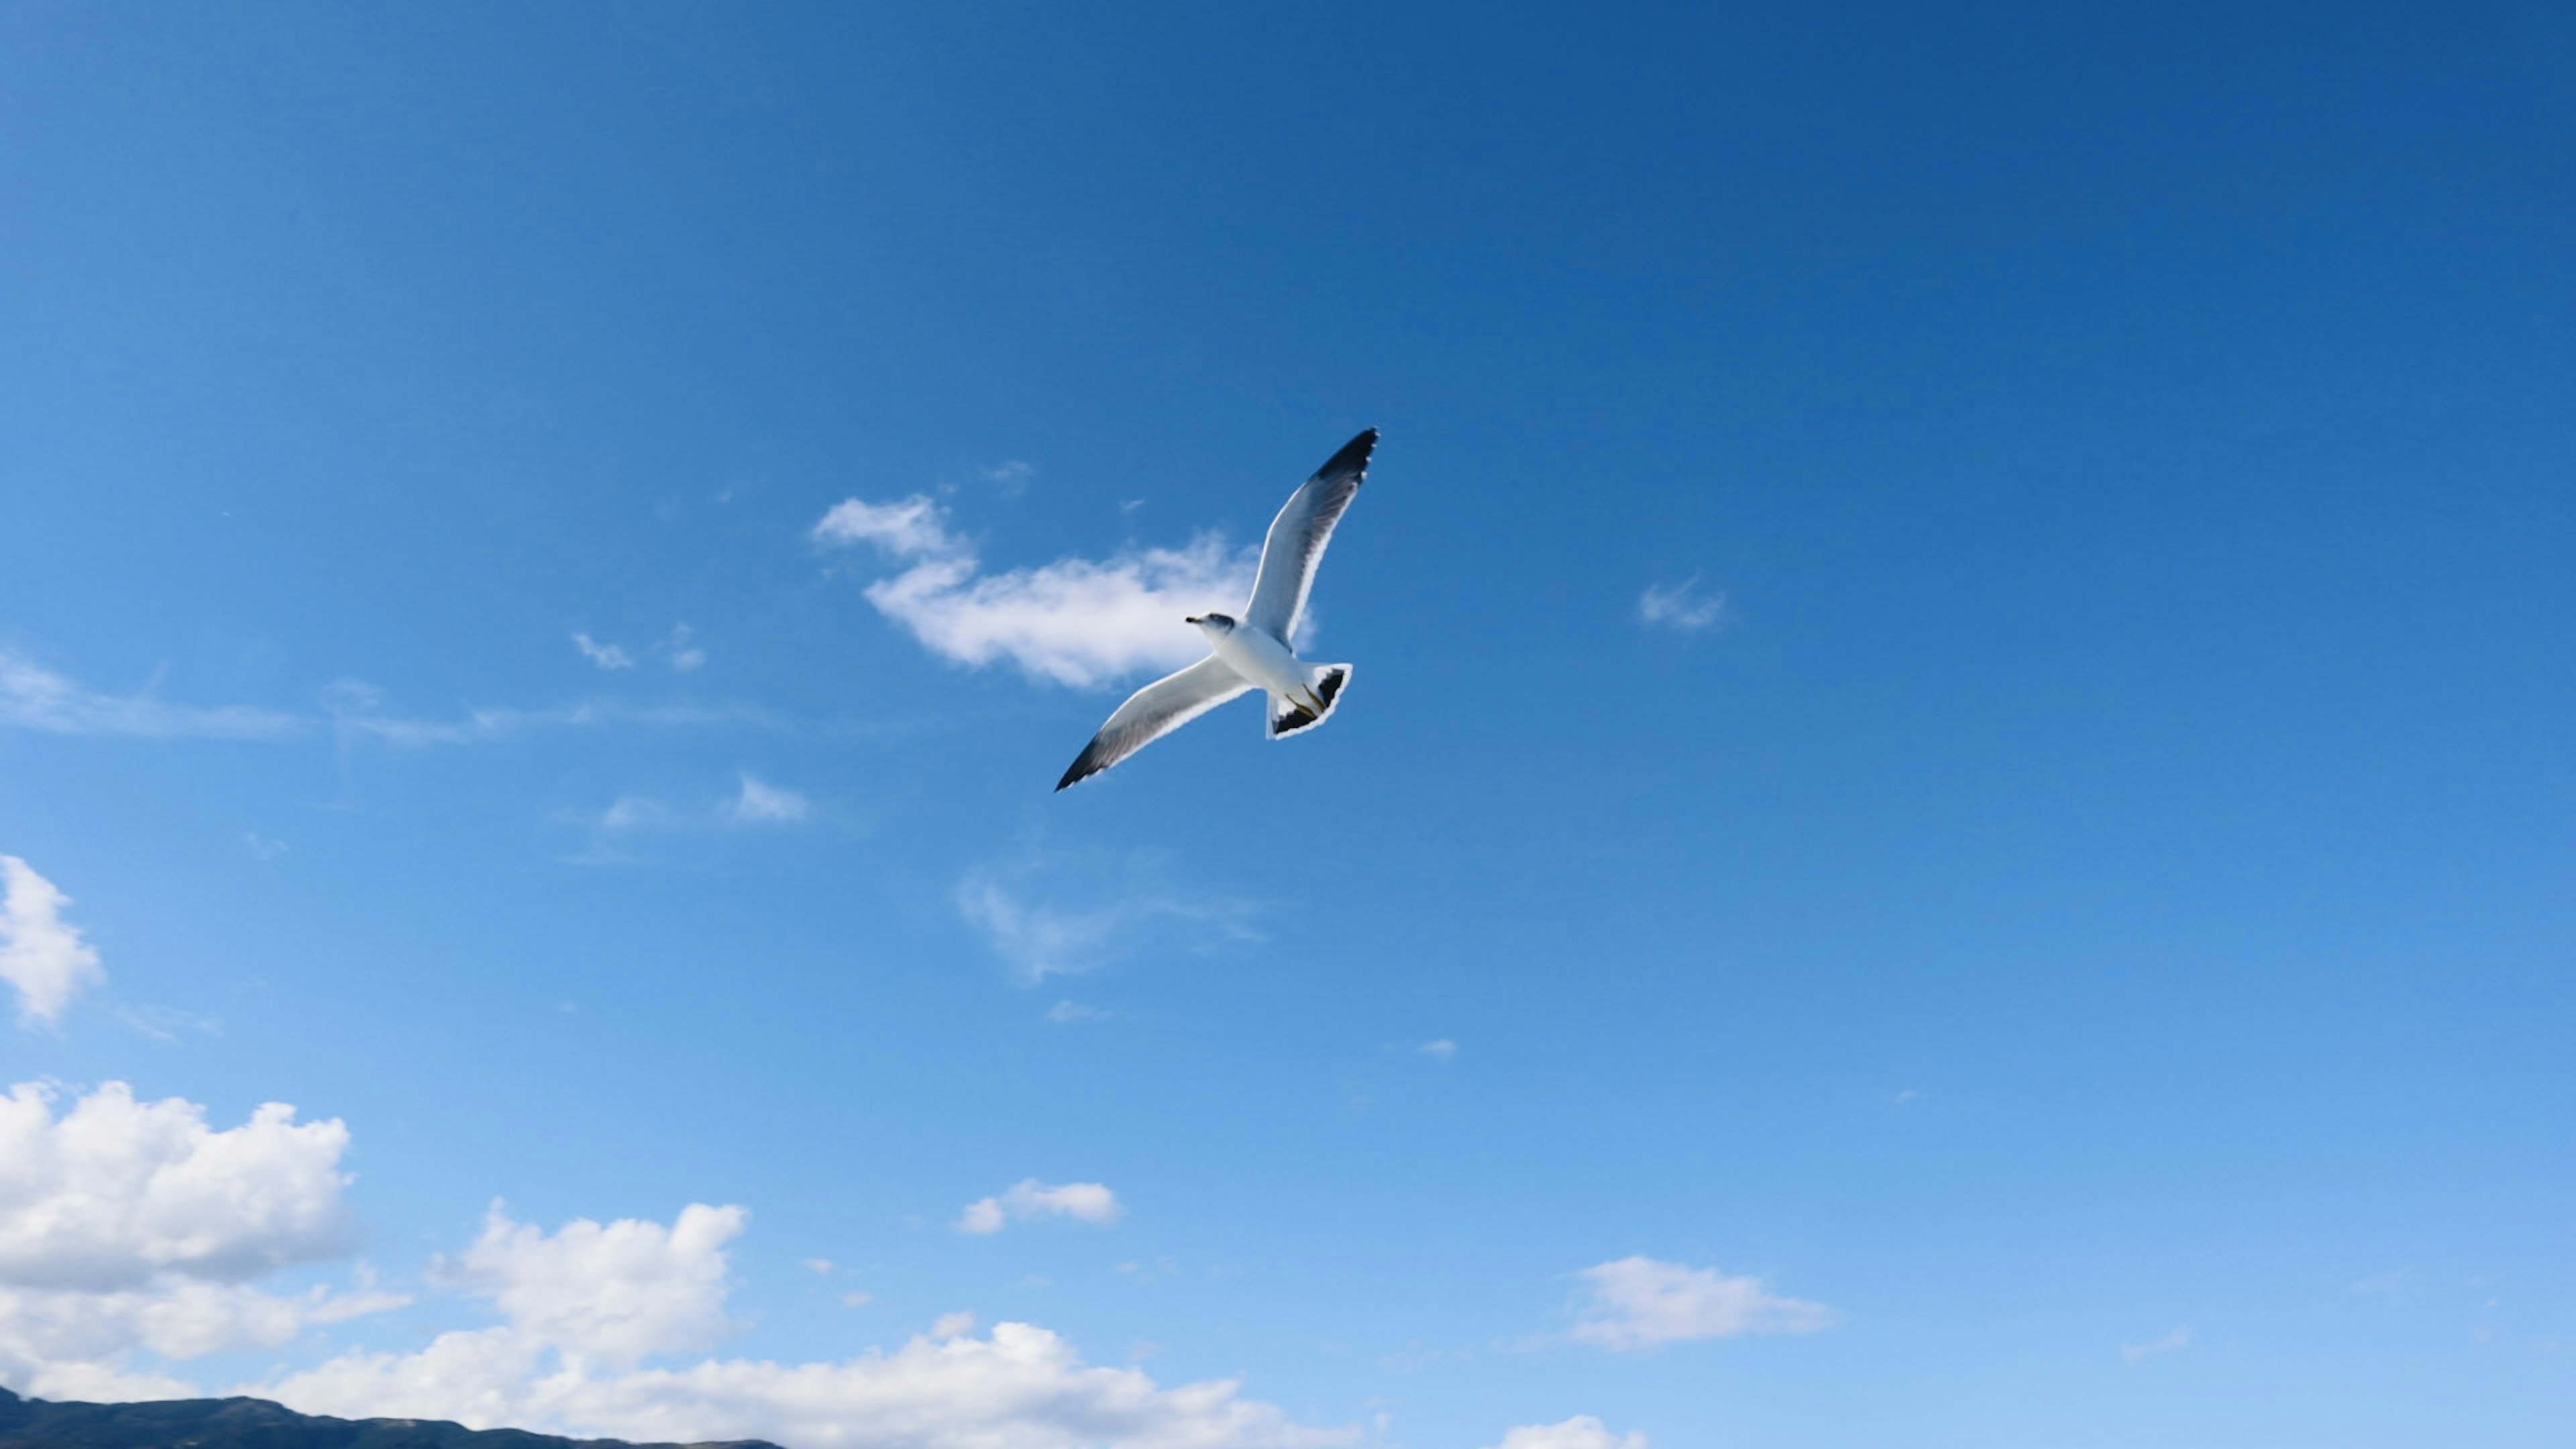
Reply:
x=1353 y=458
x=1082 y=768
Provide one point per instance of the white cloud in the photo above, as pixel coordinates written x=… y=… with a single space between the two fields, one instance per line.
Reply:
x=131 y=1227
x=1020 y=1386
x=1029 y=1199
x=1051 y=915
x=914 y=527
x=1640 y=1302
x=115 y=1192
x=41 y=954
x=120 y=1223
x=63 y=1343
x=822 y=1266
x=1067 y=1012
x=634 y=812
x=753 y=803
x=612 y=1294
x=760 y=804
x=683 y=655
x=946 y=1388
x=1073 y=621
x=357 y=710
x=166 y=1023
x=675 y=649
x=1681 y=607
x=606 y=656
x=33 y=697
x=261 y=847
x=2139 y=1352
x=1580 y=1432
x=1443 y=1051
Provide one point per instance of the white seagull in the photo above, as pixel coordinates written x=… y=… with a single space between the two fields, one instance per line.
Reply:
x=1251 y=652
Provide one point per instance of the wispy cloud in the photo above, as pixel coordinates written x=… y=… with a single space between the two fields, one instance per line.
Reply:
x=763 y=804
x=1443 y=1051
x=606 y=656
x=755 y=803
x=2141 y=1352
x=1074 y=621
x=167 y=1023
x=1029 y=1199
x=33 y=697
x=1681 y=607
x=1051 y=915
x=1639 y=1303
x=357 y=710
x=41 y=954
x=682 y=655
x=675 y=649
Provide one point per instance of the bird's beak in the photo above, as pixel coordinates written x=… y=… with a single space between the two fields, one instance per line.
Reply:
x=1192 y=619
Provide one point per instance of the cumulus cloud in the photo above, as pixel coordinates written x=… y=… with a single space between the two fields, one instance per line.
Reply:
x=41 y=954
x=1681 y=607
x=1640 y=1303
x=1020 y=1385
x=127 y=1229
x=1074 y=621
x=586 y=1303
x=131 y=1227
x=35 y=698
x=613 y=1294
x=61 y=1343
x=1580 y=1432
x=1029 y=1199
x=115 y=1192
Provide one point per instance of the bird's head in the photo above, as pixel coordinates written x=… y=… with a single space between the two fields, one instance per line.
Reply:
x=1212 y=623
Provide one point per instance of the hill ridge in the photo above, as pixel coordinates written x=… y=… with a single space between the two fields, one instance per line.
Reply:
x=242 y=1422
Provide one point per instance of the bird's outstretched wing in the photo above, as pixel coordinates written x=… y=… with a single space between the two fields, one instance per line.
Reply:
x=1298 y=535
x=1155 y=711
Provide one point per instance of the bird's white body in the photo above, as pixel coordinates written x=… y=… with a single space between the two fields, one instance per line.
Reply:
x=1260 y=656
x=1251 y=653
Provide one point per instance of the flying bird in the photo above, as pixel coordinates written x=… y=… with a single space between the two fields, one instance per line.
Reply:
x=1251 y=652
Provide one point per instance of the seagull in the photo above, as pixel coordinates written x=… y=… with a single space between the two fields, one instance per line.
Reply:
x=1251 y=652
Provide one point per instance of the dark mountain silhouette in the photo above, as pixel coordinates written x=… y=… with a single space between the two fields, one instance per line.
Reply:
x=259 y=1424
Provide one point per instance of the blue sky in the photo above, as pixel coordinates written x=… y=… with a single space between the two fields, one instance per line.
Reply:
x=1953 y=825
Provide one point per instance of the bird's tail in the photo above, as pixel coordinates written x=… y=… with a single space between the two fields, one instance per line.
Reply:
x=1324 y=682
